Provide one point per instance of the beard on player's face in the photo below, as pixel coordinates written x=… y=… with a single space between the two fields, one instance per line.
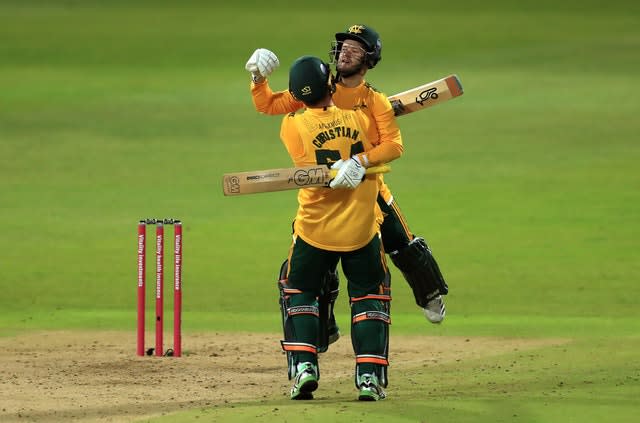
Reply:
x=347 y=71
x=350 y=67
x=351 y=58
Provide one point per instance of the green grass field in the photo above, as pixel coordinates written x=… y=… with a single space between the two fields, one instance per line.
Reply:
x=527 y=187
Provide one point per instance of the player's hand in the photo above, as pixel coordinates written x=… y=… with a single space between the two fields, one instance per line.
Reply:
x=350 y=173
x=262 y=63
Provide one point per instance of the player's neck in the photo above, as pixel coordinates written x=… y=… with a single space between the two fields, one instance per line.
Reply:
x=352 y=81
x=322 y=104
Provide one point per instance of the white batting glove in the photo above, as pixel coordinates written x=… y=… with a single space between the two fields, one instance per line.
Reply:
x=350 y=173
x=262 y=63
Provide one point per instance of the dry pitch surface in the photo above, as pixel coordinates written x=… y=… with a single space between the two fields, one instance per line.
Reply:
x=96 y=377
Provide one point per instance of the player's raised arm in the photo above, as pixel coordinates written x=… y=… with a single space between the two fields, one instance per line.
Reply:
x=261 y=64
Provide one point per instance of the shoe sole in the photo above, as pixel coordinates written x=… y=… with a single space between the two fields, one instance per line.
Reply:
x=302 y=396
x=369 y=396
x=306 y=390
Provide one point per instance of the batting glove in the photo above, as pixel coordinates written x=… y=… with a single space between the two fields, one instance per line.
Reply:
x=350 y=173
x=262 y=63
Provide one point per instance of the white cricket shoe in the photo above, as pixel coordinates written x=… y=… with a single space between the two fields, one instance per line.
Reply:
x=369 y=388
x=435 y=310
x=306 y=382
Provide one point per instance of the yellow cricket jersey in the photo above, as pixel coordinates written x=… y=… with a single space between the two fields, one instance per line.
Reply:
x=335 y=219
x=363 y=97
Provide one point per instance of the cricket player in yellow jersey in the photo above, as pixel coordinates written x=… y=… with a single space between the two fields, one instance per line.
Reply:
x=332 y=224
x=354 y=52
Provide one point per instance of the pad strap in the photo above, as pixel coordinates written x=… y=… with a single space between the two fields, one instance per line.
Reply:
x=372 y=358
x=379 y=297
x=298 y=347
x=303 y=309
x=371 y=315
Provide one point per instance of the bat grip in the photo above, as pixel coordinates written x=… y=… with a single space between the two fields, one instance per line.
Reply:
x=383 y=168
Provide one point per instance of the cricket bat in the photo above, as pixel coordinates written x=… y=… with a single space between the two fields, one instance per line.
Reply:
x=271 y=180
x=426 y=95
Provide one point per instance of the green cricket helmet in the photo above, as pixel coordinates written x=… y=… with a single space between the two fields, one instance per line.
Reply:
x=365 y=35
x=309 y=79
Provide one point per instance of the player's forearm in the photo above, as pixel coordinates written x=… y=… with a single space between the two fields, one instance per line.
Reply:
x=390 y=147
x=270 y=103
x=382 y=153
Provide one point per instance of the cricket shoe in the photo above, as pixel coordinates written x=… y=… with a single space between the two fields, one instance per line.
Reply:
x=306 y=382
x=434 y=311
x=369 y=387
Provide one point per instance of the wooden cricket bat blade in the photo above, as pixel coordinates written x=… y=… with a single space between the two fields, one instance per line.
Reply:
x=426 y=95
x=272 y=180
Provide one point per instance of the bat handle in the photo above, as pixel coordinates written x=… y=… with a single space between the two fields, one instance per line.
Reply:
x=383 y=168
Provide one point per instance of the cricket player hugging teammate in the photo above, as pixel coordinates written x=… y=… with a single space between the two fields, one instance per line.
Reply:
x=339 y=223
x=354 y=52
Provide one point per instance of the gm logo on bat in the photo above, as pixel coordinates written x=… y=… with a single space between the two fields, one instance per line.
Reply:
x=305 y=177
x=233 y=184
